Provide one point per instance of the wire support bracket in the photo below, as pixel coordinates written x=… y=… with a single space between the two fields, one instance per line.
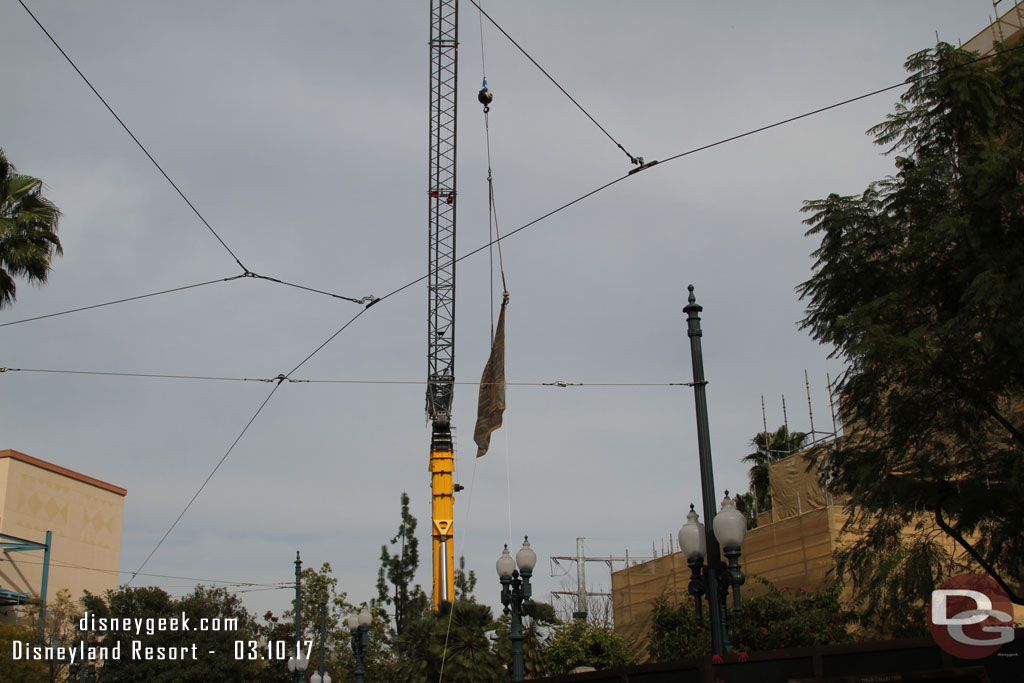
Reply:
x=641 y=165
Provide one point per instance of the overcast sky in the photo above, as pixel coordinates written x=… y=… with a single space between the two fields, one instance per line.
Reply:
x=299 y=131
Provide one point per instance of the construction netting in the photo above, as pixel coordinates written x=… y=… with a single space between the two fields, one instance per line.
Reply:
x=795 y=488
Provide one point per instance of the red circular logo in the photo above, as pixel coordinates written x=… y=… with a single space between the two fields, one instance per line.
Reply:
x=970 y=616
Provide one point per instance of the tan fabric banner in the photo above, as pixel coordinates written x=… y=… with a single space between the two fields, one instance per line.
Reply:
x=492 y=389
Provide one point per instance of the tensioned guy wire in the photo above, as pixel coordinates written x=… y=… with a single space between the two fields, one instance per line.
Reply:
x=134 y=374
x=633 y=159
x=205 y=482
x=620 y=179
x=132 y=135
x=247 y=272
x=279 y=380
x=364 y=300
x=290 y=380
x=681 y=155
x=908 y=81
x=120 y=301
x=228 y=582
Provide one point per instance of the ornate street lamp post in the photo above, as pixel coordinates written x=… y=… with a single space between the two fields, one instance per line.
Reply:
x=297 y=664
x=696 y=541
x=322 y=676
x=714 y=579
x=359 y=626
x=516 y=590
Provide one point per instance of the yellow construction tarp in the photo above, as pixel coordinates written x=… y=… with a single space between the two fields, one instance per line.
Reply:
x=795 y=487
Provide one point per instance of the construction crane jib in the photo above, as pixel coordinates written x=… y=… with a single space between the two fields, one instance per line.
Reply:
x=444 y=42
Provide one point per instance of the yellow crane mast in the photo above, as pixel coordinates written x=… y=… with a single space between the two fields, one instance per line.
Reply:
x=444 y=42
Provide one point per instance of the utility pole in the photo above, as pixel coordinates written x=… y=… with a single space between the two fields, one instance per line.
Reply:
x=581 y=593
x=581 y=583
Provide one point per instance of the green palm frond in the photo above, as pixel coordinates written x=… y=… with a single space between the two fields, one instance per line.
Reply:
x=28 y=230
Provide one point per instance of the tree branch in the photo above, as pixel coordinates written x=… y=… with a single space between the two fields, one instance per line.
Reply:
x=975 y=554
x=1001 y=419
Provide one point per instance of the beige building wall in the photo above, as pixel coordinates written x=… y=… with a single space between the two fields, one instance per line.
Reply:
x=84 y=515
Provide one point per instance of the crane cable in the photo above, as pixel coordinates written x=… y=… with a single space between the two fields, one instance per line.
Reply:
x=485 y=98
x=493 y=235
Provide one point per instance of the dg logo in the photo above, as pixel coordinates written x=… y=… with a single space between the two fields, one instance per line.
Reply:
x=970 y=616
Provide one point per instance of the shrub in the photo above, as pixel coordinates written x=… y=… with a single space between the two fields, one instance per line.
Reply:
x=782 y=618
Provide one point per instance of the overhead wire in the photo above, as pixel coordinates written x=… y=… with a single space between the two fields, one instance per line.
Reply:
x=420 y=279
x=245 y=269
x=247 y=274
x=279 y=380
x=121 y=301
x=362 y=300
x=534 y=222
x=481 y=248
x=372 y=300
x=905 y=82
x=483 y=13
x=268 y=588
x=331 y=338
x=781 y=123
x=137 y=374
x=133 y=137
x=685 y=154
x=283 y=378
x=410 y=284
x=205 y=482
x=632 y=159
x=228 y=582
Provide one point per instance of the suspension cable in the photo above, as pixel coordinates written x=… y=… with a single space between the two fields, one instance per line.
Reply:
x=637 y=161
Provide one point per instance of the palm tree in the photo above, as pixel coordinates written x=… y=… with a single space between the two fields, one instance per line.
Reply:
x=28 y=230
x=454 y=641
x=745 y=504
x=770 y=447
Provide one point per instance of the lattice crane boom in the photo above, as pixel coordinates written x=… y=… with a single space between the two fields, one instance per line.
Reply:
x=444 y=43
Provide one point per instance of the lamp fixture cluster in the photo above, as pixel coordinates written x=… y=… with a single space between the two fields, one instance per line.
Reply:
x=515 y=593
x=716 y=578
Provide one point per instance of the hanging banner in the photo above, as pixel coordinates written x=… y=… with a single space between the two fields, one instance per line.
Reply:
x=492 y=389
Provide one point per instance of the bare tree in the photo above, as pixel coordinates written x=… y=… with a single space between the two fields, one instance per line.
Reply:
x=599 y=603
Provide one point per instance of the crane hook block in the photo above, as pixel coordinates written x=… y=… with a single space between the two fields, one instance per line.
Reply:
x=485 y=97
